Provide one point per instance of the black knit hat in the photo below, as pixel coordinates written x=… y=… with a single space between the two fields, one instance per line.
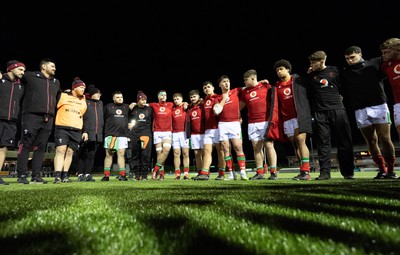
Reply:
x=92 y=90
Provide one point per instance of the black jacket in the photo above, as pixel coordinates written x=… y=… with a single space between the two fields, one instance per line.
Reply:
x=41 y=93
x=363 y=84
x=303 y=107
x=93 y=120
x=11 y=93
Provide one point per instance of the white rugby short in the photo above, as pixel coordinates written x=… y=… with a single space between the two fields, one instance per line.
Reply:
x=257 y=130
x=229 y=130
x=196 y=142
x=158 y=136
x=289 y=126
x=396 y=113
x=211 y=136
x=377 y=114
x=119 y=143
x=179 y=140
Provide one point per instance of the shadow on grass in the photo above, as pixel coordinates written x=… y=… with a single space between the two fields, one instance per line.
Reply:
x=44 y=243
x=370 y=244
x=192 y=240
x=327 y=198
x=370 y=200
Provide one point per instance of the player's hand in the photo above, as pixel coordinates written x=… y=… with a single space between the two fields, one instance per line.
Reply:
x=85 y=137
x=132 y=105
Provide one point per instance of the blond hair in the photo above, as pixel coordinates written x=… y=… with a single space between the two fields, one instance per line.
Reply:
x=390 y=44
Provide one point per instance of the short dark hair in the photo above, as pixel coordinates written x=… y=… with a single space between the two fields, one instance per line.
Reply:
x=317 y=56
x=283 y=62
x=177 y=95
x=222 y=77
x=44 y=61
x=207 y=82
x=352 y=49
x=116 y=92
x=194 y=92
x=249 y=73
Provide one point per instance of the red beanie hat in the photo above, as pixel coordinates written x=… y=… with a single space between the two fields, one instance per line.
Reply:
x=12 y=64
x=77 y=82
x=141 y=95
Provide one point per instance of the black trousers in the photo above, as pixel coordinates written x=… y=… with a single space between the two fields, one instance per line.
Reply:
x=140 y=161
x=334 y=124
x=86 y=156
x=36 y=130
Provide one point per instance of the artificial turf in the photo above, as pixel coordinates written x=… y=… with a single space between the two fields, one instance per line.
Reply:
x=335 y=216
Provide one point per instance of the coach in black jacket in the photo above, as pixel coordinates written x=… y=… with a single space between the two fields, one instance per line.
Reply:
x=38 y=111
x=93 y=126
x=11 y=92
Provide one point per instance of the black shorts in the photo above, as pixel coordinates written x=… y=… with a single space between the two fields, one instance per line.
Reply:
x=71 y=138
x=8 y=130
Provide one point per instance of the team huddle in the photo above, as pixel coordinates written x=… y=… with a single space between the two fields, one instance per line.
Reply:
x=282 y=111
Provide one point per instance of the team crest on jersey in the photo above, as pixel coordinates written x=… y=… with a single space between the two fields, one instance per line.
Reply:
x=141 y=116
x=118 y=111
x=162 y=109
x=253 y=94
x=396 y=69
x=178 y=111
x=194 y=113
x=324 y=83
x=287 y=91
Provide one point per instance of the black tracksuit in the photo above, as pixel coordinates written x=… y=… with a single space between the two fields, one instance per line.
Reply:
x=38 y=111
x=11 y=93
x=331 y=120
x=140 y=161
x=93 y=125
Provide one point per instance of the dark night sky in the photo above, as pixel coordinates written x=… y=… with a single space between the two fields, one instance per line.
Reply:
x=176 y=47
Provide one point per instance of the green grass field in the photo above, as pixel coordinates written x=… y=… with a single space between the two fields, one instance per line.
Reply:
x=336 y=216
